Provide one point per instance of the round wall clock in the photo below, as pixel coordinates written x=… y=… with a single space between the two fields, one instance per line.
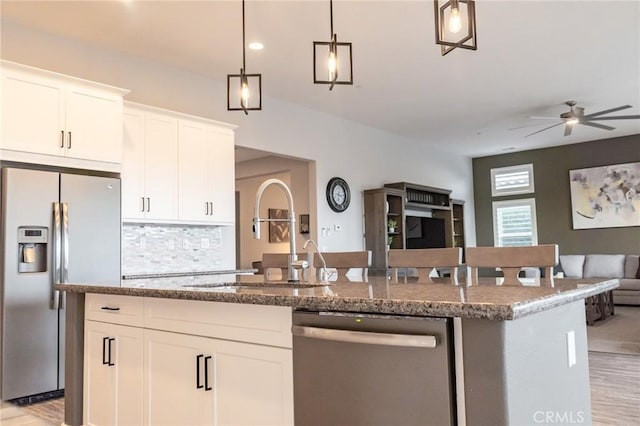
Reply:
x=338 y=194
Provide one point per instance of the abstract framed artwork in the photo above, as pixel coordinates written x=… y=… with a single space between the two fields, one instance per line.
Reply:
x=279 y=231
x=606 y=196
x=304 y=224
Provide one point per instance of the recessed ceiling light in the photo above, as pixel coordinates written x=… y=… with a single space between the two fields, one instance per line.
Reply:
x=256 y=45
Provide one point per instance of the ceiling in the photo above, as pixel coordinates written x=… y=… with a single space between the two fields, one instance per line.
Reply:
x=531 y=58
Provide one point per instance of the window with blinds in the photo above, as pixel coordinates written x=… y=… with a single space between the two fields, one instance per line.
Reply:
x=514 y=223
x=512 y=180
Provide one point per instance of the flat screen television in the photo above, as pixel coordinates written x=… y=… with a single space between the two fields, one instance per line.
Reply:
x=425 y=232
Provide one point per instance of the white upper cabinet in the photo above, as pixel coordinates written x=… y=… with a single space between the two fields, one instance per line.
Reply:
x=149 y=169
x=177 y=168
x=54 y=119
x=94 y=125
x=206 y=173
x=193 y=202
x=221 y=176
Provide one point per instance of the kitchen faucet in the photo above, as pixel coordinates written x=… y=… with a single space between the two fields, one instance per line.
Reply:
x=294 y=264
x=323 y=271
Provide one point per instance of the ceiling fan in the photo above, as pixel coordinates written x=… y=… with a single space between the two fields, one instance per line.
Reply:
x=576 y=115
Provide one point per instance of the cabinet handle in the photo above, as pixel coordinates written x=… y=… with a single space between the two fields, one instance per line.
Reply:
x=111 y=364
x=109 y=308
x=69 y=142
x=61 y=138
x=206 y=374
x=211 y=210
x=104 y=352
x=206 y=206
x=198 y=384
x=148 y=204
x=142 y=208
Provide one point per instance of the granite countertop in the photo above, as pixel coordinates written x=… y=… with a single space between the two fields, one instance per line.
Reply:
x=189 y=274
x=488 y=299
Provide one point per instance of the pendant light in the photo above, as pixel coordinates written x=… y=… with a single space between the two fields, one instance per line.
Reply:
x=244 y=91
x=455 y=24
x=332 y=60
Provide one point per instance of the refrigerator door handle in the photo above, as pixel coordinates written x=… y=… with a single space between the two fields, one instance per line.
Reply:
x=57 y=255
x=64 y=272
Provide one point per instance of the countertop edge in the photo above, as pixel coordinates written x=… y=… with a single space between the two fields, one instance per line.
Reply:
x=468 y=310
x=528 y=308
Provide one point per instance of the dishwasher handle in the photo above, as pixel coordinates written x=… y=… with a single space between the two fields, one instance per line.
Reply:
x=366 y=337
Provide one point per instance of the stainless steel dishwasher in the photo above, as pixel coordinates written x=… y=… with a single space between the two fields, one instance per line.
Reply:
x=358 y=369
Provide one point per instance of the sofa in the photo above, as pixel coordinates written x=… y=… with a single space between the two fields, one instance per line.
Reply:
x=624 y=267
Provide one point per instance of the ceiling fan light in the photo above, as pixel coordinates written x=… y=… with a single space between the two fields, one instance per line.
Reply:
x=572 y=121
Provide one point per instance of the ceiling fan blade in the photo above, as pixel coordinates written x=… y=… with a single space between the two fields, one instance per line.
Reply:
x=546 y=128
x=542 y=118
x=528 y=125
x=567 y=129
x=615 y=117
x=607 y=111
x=599 y=126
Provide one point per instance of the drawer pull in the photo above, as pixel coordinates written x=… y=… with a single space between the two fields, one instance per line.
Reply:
x=111 y=364
x=206 y=374
x=198 y=384
x=109 y=308
x=104 y=351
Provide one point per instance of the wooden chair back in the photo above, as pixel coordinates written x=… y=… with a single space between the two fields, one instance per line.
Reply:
x=426 y=260
x=343 y=261
x=512 y=259
x=271 y=261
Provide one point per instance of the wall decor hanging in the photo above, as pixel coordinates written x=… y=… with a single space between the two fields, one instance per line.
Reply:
x=279 y=231
x=606 y=196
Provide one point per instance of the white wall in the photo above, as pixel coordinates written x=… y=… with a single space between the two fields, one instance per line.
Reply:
x=364 y=156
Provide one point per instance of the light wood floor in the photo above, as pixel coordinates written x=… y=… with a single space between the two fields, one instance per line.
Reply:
x=615 y=396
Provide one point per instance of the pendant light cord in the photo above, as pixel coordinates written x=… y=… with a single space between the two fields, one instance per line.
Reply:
x=244 y=66
x=330 y=15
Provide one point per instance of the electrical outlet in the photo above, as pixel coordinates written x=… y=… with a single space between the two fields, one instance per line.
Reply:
x=143 y=243
x=571 y=348
x=186 y=244
x=171 y=244
x=204 y=243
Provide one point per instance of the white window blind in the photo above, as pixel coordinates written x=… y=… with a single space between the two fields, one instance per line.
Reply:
x=514 y=223
x=512 y=180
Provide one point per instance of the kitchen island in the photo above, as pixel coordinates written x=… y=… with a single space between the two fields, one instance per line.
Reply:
x=520 y=352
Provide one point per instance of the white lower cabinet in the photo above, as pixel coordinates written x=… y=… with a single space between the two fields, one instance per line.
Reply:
x=216 y=382
x=176 y=389
x=113 y=360
x=199 y=373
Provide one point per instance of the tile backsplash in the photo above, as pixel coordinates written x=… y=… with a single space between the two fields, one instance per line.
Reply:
x=151 y=248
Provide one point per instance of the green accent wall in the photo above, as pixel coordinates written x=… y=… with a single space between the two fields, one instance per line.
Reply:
x=553 y=200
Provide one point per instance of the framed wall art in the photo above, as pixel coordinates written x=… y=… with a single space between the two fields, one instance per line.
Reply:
x=304 y=224
x=606 y=196
x=279 y=231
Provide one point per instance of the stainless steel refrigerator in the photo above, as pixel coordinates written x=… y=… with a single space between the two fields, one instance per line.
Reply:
x=56 y=228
